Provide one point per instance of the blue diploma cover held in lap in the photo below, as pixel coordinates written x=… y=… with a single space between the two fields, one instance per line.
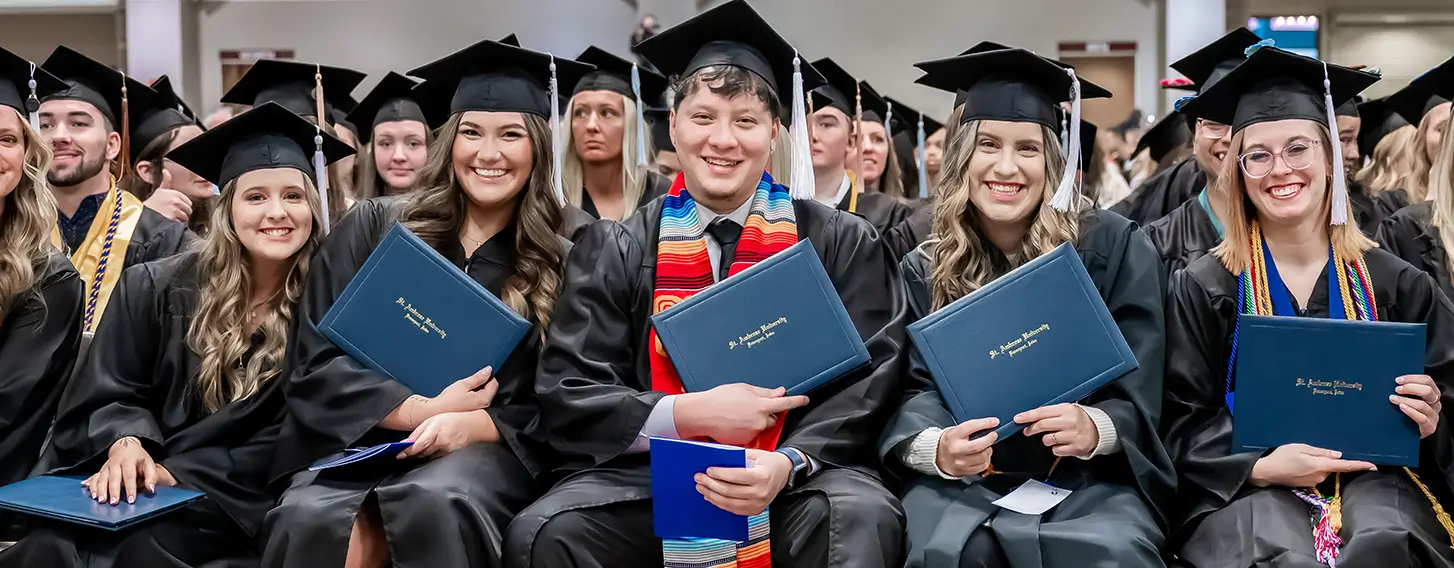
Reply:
x=1037 y=336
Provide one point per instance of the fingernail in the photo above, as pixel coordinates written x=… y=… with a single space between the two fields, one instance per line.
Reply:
x=1393 y=398
x=490 y=369
x=1399 y=380
x=1337 y=454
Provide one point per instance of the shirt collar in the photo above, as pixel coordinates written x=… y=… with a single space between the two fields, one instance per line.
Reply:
x=843 y=188
x=706 y=217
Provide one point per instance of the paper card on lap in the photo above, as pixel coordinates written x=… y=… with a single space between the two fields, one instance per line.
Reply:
x=1033 y=498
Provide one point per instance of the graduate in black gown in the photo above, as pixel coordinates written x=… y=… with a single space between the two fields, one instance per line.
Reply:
x=163 y=186
x=84 y=126
x=876 y=150
x=607 y=169
x=1421 y=103
x=1365 y=212
x=1003 y=166
x=395 y=138
x=604 y=391
x=40 y=292
x=664 y=151
x=183 y=386
x=836 y=141
x=486 y=202
x=1420 y=233
x=1237 y=510
x=912 y=135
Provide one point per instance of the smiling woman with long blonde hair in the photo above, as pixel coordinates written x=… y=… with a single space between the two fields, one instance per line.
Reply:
x=40 y=293
x=182 y=386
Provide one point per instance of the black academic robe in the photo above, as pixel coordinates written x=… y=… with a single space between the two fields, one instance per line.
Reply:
x=881 y=210
x=1184 y=235
x=1410 y=236
x=38 y=342
x=656 y=186
x=573 y=220
x=1116 y=515
x=1365 y=210
x=909 y=233
x=335 y=402
x=1386 y=203
x=595 y=391
x=139 y=380
x=156 y=237
x=1222 y=520
x=1163 y=193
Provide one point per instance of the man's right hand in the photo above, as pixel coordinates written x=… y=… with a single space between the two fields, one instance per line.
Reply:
x=171 y=203
x=731 y=414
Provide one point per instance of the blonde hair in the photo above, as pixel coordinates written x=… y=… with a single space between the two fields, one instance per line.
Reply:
x=633 y=177
x=963 y=259
x=1418 y=181
x=1228 y=196
x=218 y=333
x=1441 y=190
x=1393 y=161
x=435 y=211
x=780 y=161
x=26 y=223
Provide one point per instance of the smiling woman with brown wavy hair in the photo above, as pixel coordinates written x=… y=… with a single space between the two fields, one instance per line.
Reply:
x=486 y=201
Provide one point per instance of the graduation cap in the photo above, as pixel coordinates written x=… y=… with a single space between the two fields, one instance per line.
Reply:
x=392 y=100
x=1379 y=120
x=267 y=137
x=1015 y=85
x=1433 y=88
x=1087 y=145
x=922 y=127
x=1274 y=84
x=660 y=121
x=841 y=90
x=1169 y=133
x=23 y=84
x=733 y=34
x=292 y=84
x=626 y=78
x=495 y=77
x=163 y=114
x=1212 y=62
x=339 y=118
x=91 y=81
x=511 y=39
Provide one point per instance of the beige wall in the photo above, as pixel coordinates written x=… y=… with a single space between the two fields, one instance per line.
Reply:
x=34 y=36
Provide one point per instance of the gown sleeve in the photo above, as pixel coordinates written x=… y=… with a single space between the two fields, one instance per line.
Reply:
x=1399 y=235
x=593 y=404
x=920 y=406
x=45 y=323
x=905 y=236
x=1196 y=424
x=1420 y=300
x=112 y=396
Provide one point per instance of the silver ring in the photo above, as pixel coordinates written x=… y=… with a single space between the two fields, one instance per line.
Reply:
x=1052 y=438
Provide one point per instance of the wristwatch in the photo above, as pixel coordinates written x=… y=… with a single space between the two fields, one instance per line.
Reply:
x=800 y=465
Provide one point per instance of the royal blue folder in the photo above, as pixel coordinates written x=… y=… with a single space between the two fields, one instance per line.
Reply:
x=360 y=455
x=1326 y=383
x=678 y=510
x=778 y=323
x=63 y=498
x=413 y=315
x=1037 y=336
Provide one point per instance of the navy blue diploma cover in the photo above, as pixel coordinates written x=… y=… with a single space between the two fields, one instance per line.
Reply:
x=778 y=323
x=678 y=510
x=413 y=315
x=63 y=498
x=1037 y=336
x=1326 y=383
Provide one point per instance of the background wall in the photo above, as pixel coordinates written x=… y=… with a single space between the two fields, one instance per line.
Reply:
x=34 y=35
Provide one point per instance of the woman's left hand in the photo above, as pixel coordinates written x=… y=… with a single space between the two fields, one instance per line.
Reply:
x=444 y=433
x=1418 y=397
x=1068 y=430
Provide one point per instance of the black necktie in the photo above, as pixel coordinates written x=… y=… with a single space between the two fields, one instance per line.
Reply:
x=726 y=232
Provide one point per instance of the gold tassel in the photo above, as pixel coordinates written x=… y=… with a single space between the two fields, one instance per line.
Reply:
x=1335 y=508
x=125 y=157
x=1439 y=512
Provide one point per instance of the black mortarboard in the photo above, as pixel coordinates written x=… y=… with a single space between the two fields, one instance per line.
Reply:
x=267 y=137
x=164 y=113
x=91 y=81
x=291 y=84
x=1425 y=92
x=1169 y=133
x=511 y=39
x=1379 y=120
x=875 y=106
x=16 y=74
x=660 y=121
x=164 y=89
x=1348 y=108
x=495 y=77
x=841 y=88
x=731 y=34
x=613 y=74
x=392 y=100
x=1008 y=84
x=339 y=118
x=907 y=119
x=1275 y=84
x=1212 y=62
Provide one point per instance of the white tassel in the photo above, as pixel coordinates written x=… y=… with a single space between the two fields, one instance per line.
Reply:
x=1340 y=182
x=641 y=149
x=320 y=174
x=1064 y=199
x=555 y=140
x=801 y=183
x=919 y=158
x=32 y=105
x=888 y=121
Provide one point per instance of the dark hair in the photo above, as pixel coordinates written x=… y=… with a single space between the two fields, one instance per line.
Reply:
x=155 y=153
x=727 y=81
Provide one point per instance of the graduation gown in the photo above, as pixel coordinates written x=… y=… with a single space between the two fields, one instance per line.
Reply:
x=656 y=186
x=1162 y=193
x=1386 y=203
x=881 y=210
x=909 y=233
x=1185 y=235
x=46 y=321
x=1115 y=517
x=1409 y=235
x=1365 y=211
x=335 y=402
x=1222 y=520
x=139 y=380
x=156 y=237
x=595 y=391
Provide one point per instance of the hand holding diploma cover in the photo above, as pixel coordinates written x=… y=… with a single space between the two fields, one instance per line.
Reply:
x=1038 y=336
x=678 y=510
x=63 y=498
x=413 y=315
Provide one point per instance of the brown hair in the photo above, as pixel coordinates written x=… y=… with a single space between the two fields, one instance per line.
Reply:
x=368 y=183
x=436 y=211
x=727 y=81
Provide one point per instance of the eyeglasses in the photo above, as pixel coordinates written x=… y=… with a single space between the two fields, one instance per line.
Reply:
x=1297 y=155
x=1213 y=130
